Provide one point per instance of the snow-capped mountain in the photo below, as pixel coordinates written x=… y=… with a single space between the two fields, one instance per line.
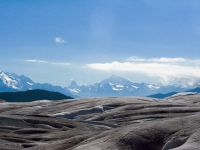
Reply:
x=118 y=86
x=13 y=82
x=112 y=86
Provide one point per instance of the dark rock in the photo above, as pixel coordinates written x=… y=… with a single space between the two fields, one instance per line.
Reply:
x=121 y=123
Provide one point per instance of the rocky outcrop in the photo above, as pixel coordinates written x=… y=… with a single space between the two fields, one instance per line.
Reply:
x=128 y=123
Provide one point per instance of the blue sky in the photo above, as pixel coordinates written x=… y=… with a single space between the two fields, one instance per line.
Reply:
x=56 y=41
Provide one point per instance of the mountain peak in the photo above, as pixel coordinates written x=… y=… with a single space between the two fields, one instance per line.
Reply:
x=8 y=80
x=73 y=84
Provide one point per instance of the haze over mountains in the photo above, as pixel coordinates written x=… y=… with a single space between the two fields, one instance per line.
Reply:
x=112 y=86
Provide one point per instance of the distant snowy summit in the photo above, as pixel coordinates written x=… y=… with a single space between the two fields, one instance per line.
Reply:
x=112 y=86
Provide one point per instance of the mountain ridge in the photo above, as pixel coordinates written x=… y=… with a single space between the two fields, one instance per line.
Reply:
x=32 y=95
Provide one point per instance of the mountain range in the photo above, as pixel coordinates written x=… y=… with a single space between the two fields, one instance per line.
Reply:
x=118 y=86
x=112 y=86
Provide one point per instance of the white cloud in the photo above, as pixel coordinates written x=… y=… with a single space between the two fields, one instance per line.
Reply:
x=59 y=40
x=166 y=70
x=36 y=61
x=48 y=62
x=161 y=59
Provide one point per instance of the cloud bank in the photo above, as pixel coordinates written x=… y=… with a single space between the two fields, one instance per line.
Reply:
x=167 y=70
